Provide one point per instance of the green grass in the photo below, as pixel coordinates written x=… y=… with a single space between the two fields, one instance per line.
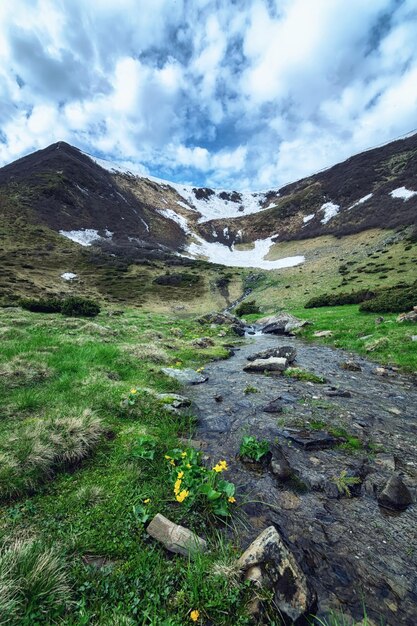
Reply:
x=75 y=472
x=388 y=343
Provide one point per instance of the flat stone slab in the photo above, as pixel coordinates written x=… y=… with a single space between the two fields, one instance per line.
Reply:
x=310 y=440
x=185 y=376
x=285 y=352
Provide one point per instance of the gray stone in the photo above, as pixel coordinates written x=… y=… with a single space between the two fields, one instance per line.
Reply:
x=338 y=393
x=273 y=364
x=202 y=342
x=286 y=352
x=282 y=324
x=279 y=464
x=407 y=317
x=323 y=333
x=395 y=495
x=275 y=406
x=185 y=376
x=281 y=573
x=176 y=538
x=351 y=366
x=310 y=439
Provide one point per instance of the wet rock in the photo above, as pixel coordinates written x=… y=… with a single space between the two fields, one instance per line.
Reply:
x=185 y=376
x=338 y=393
x=351 y=366
x=281 y=573
x=202 y=342
x=323 y=333
x=395 y=495
x=279 y=464
x=275 y=406
x=273 y=364
x=218 y=398
x=285 y=352
x=385 y=461
x=282 y=324
x=381 y=371
x=176 y=538
x=310 y=440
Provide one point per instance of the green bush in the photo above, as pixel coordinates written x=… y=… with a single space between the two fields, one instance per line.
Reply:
x=392 y=300
x=247 y=308
x=76 y=306
x=43 y=305
x=336 y=299
x=253 y=448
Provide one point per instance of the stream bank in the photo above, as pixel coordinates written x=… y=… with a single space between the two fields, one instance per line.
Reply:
x=353 y=552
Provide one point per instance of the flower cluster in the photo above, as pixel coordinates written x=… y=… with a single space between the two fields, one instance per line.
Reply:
x=195 y=483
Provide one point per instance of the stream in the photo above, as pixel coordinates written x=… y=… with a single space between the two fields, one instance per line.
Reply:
x=353 y=552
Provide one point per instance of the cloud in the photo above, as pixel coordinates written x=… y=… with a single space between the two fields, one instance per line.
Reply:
x=248 y=94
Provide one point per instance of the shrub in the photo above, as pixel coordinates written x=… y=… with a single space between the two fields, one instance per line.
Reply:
x=33 y=581
x=336 y=299
x=392 y=300
x=43 y=305
x=181 y=279
x=76 y=306
x=246 y=308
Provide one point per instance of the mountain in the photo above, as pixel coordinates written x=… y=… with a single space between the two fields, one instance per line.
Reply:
x=61 y=209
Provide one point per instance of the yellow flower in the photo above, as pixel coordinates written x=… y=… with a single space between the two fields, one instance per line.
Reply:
x=180 y=475
x=188 y=466
x=182 y=495
x=194 y=615
x=183 y=454
x=220 y=467
x=146 y=501
x=232 y=499
x=178 y=363
x=133 y=391
x=172 y=462
x=177 y=486
x=167 y=457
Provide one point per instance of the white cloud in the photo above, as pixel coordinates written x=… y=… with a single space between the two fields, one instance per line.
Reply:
x=254 y=95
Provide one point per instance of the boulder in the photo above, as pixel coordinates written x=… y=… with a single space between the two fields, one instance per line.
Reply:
x=176 y=538
x=185 y=376
x=395 y=494
x=285 y=352
x=221 y=319
x=273 y=364
x=270 y=564
x=281 y=324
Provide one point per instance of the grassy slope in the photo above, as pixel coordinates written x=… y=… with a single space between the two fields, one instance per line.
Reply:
x=88 y=512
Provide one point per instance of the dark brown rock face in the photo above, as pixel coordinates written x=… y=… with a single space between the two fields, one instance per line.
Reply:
x=395 y=495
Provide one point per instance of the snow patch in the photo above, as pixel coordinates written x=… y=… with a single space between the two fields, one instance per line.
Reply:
x=308 y=218
x=179 y=219
x=86 y=236
x=213 y=207
x=83 y=237
x=216 y=252
x=361 y=201
x=403 y=193
x=68 y=275
x=330 y=210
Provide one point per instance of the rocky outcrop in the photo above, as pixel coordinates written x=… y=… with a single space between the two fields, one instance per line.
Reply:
x=269 y=563
x=408 y=317
x=224 y=319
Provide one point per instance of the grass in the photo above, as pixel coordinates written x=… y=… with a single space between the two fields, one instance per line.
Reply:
x=77 y=464
x=353 y=330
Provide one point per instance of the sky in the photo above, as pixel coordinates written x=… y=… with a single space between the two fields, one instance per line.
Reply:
x=234 y=94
